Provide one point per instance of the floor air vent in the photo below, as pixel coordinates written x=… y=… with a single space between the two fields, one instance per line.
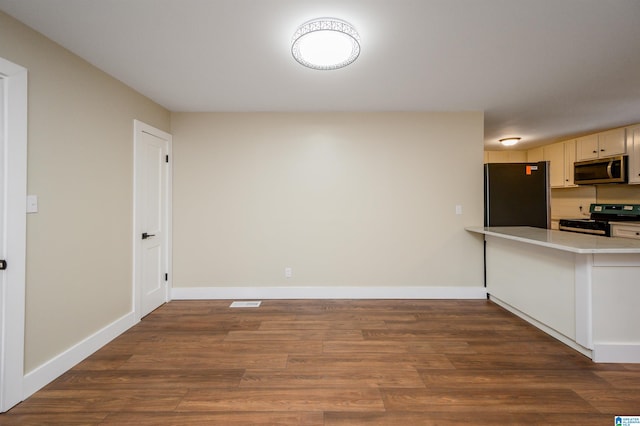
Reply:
x=247 y=304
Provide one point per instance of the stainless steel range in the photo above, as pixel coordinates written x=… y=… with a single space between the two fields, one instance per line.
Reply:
x=600 y=217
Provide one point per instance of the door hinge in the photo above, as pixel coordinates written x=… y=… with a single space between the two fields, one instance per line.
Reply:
x=166 y=158
x=166 y=277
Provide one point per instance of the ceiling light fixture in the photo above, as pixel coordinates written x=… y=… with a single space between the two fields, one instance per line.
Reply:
x=509 y=141
x=325 y=44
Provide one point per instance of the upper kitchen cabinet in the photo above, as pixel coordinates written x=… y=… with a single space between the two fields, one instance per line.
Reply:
x=587 y=147
x=570 y=155
x=561 y=157
x=554 y=154
x=605 y=144
x=633 y=146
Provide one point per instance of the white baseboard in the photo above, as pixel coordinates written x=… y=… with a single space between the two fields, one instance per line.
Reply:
x=187 y=293
x=52 y=369
x=616 y=353
x=550 y=331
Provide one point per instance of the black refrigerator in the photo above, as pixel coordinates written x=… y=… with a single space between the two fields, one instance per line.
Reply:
x=517 y=194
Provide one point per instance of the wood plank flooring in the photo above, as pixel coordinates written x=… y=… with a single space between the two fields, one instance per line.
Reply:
x=334 y=362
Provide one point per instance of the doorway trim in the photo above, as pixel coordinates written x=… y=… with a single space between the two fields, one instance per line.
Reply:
x=140 y=127
x=12 y=309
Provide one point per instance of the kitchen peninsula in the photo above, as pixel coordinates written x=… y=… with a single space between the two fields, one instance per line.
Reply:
x=582 y=289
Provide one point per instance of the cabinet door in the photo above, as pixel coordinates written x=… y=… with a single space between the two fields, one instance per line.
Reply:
x=587 y=147
x=611 y=143
x=625 y=231
x=554 y=153
x=633 y=144
x=569 y=159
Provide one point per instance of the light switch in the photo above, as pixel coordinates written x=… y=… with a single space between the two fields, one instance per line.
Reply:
x=458 y=209
x=32 y=204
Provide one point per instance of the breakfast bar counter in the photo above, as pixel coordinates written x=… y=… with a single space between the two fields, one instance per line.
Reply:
x=582 y=289
x=562 y=240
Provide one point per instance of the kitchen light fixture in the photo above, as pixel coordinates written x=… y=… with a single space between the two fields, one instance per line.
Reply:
x=509 y=141
x=325 y=44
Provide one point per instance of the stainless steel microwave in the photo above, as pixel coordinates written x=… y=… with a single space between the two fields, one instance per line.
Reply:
x=602 y=170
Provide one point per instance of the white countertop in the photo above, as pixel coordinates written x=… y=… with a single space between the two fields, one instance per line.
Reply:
x=561 y=240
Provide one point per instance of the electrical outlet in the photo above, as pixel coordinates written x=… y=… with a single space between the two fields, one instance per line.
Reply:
x=32 y=204
x=288 y=272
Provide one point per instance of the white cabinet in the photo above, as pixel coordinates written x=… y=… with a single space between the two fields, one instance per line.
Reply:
x=576 y=297
x=626 y=230
x=612 y=142
x=569 y=159
x=554 y=154
x=587 y=147
x=605 y=144
x=633 y=146
x=561 y=157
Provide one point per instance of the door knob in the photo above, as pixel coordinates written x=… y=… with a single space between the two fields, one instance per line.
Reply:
x=145 y=235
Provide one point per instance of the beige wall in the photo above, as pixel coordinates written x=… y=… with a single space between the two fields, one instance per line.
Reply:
x=505 y=156
x=566 y=202
x=345 y=199
x=618 y=194
x=80 y=164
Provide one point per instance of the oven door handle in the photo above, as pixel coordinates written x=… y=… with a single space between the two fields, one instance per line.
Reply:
x=601 y=232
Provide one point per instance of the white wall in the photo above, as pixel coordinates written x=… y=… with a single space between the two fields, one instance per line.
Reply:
x=345 y=199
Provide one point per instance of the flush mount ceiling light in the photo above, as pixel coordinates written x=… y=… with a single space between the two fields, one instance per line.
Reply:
x=325 y=44
x=509 y=141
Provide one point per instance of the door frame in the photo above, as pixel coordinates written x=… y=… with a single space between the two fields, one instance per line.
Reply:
x=140 y=127
x=12 y=301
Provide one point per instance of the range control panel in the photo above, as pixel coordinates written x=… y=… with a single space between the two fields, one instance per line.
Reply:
x=611 y=211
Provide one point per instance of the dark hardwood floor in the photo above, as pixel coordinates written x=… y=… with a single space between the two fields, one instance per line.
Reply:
x=338 y=362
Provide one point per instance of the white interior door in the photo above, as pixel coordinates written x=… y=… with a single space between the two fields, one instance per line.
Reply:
x=152 y=210
x=3 y=225
x=13 y=192
x=2 y=194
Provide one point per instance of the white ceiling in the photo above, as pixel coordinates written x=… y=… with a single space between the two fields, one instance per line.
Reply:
x=540 y=69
